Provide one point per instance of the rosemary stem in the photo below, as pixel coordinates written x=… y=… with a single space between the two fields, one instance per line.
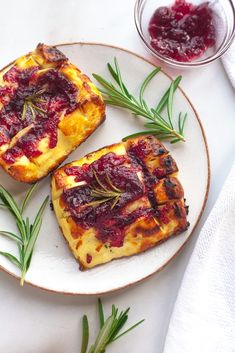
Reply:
x=27 y=233
x=138 y=110
x=23 y=273
x=119 y=96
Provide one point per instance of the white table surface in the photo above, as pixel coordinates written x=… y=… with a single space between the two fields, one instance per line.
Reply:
x=32 y=320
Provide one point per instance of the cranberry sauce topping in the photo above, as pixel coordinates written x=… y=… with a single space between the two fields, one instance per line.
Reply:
x=20 y=77
x=101 y=166
x=183 y=31
x=88 y=258
x=131 y=179
x=112 y=172
x=36 y=100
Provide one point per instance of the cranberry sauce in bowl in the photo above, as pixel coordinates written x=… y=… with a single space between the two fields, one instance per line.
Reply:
x=182 y=31
x=186 y=33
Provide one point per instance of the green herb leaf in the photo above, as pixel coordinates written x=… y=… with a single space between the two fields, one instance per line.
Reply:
x=145 y=84
x=10 y=202
x=101 y=313
x=103 y=337
x=27 y=228
x=2 y=205
x=162 y=104
x=128 y=330
x=30 y=104
x=103 y=194
x=115 y=77
x=11 y=236
x=34 y=232
x=31 y=243
x=28 y=197
x=146 y=132
x=170 y=104
x=11 y=258
x=118 y=323
x=85 y=334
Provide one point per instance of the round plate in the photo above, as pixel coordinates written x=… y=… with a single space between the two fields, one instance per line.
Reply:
x=53 y=266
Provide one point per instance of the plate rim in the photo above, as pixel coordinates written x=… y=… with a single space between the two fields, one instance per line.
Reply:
x=181 y=248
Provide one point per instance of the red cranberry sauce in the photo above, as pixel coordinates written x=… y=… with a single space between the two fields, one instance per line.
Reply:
x=183 y=31
x=110 y=220
x=37 y=101
x=88 y=258
x=106 y=217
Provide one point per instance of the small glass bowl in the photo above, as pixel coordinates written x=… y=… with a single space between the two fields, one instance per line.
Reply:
x=224 y=23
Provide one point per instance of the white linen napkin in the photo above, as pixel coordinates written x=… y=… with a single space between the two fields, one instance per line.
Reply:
x=229 y=63
x=203 y=319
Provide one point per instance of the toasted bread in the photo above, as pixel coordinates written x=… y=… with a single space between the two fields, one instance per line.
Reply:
x=119 y=201
x=47 y=108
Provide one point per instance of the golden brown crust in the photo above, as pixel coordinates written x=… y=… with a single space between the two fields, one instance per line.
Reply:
x=164 y=210
x=50 y=54
x=73 y=127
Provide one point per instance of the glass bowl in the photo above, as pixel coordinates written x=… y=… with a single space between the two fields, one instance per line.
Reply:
x=224 y=17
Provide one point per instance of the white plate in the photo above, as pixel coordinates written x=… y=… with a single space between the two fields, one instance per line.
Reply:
x=53 y=267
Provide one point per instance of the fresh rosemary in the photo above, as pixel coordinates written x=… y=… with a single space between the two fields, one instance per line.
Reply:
x=109 y=329
x=28 y=233
x=30 y=104
x=118 y=95
x=103 y=194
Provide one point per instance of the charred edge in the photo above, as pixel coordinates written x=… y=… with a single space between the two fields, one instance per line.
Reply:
x=186 y=207
x=170 y=188
x=51 y=206
x=51 y=53
x=149 y=179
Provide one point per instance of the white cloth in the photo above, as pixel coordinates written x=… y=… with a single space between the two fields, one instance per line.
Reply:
x=203 y=319
x=229 y=63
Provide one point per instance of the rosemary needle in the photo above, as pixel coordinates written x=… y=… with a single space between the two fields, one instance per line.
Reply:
x=103 y=194
x=85 y=336
x=30 y=104
x=118 y=95
x=28 y=233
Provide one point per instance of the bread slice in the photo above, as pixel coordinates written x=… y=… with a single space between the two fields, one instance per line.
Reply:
x=119 y=201
x=47 y=108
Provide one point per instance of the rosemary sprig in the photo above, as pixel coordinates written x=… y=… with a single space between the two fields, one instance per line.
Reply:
x=28 y=233
x=109 y=329
x=118 y=95
x=103 y=194
x=30 y=104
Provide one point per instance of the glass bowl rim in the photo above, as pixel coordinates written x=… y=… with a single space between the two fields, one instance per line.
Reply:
x=222 y=49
